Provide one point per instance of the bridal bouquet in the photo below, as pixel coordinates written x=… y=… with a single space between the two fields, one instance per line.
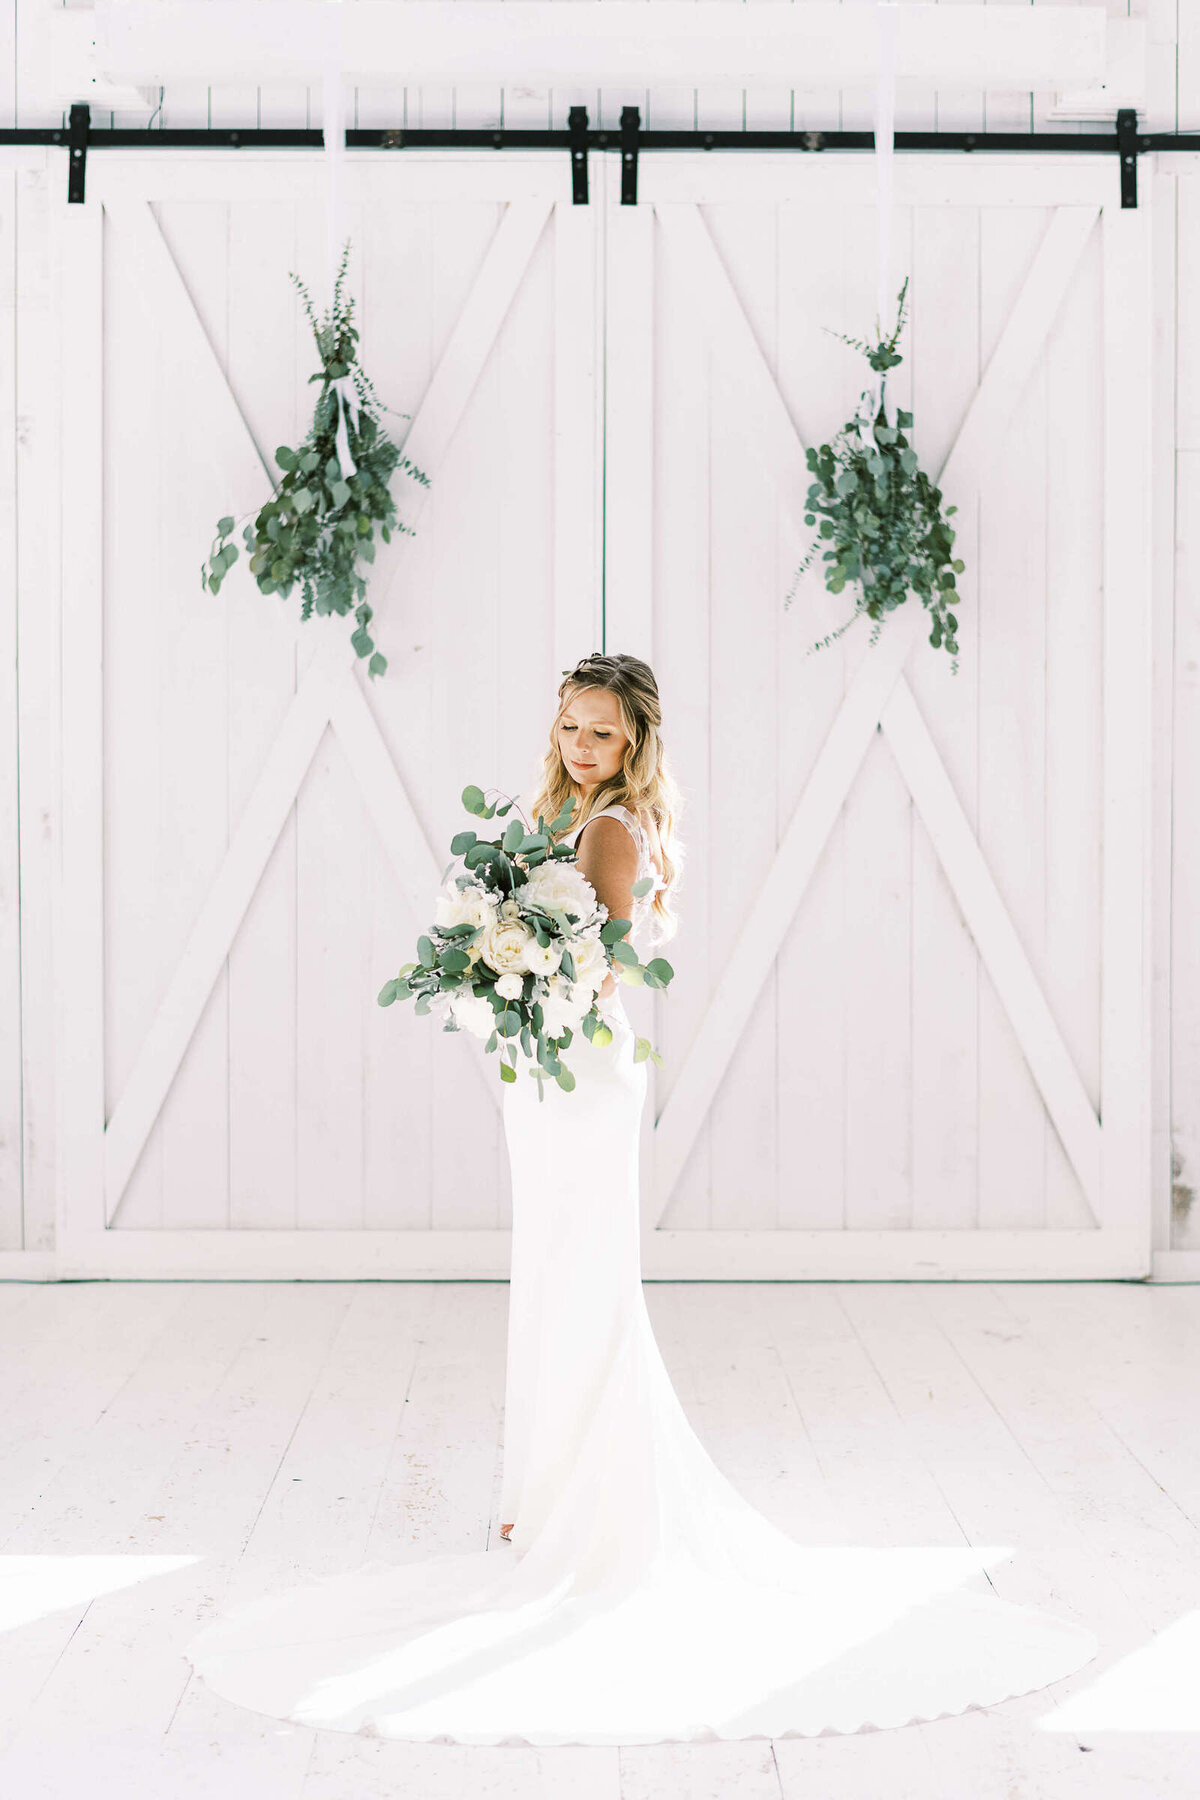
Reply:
x=521 y=946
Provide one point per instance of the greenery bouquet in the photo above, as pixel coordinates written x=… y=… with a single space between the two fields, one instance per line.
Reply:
x=521 y=946
x=881 y=528
x=320 y=520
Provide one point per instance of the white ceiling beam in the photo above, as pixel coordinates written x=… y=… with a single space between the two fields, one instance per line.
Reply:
x=598 y=42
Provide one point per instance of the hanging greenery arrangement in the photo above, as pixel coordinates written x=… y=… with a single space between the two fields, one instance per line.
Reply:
x=321 y=520
x=880 y=525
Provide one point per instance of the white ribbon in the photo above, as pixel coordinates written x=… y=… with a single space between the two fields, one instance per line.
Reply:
x=885 y=122
x=334 y=130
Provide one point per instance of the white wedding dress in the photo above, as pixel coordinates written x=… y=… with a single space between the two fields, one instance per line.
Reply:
x=641 y=1598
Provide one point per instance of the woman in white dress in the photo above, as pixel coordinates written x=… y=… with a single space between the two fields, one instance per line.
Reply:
x=639 y=1598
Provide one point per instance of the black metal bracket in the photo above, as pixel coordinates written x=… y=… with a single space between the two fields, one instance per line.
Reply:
x=577 y=131
x=631 y=124
x=77 y=143
x=1127 y=149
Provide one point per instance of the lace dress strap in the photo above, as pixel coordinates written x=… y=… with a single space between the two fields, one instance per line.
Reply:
x=627 y=817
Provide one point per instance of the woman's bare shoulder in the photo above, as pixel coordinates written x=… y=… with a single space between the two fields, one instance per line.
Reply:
x=611 y=834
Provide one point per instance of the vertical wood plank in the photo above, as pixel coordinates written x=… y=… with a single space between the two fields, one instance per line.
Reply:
x=944 y=348
x=1187 y=25
x=1168 y=311
x=10 y=92
x=878 y=826
x=682 y=590
x=469 y=576
x=331 y=980
x=819 y=380
x=629 y=423
x=399 y=327
x=577 y=527
x=748 y=1139
x=11 y=1038
x=192 y=727
x=38 y=615
x=1074 y=656
x=261 y=972
x=1187 y=365
x=1011 y=626
x=79 y=897
x=1125 y=938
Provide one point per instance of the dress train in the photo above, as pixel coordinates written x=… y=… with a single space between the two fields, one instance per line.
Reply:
x=641 y=1599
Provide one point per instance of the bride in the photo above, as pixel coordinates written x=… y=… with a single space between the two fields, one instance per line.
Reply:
x=633 y=1595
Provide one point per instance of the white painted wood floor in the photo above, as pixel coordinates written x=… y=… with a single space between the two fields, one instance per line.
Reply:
x=170 y=1445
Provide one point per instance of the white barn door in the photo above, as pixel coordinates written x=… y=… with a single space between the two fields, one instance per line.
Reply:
x=253 y=831
x=908 y=1035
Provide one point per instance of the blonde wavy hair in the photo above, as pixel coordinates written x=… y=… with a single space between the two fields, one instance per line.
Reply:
x=644 y=783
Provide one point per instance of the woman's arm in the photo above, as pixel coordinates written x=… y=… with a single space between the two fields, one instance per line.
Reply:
x=608 y=856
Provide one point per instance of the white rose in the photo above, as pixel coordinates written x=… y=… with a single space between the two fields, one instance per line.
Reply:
x=562 y=886
x=510 y=987
x=473 y=1011
x=504 y=945
x=510 y=909
x=543 y=959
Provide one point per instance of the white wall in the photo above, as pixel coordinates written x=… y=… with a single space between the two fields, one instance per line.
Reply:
x=1173 y=100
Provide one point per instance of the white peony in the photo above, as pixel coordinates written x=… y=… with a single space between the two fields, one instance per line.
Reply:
x=543 y=959
x=473 y=1012
x=464 y=906
x=591 y=964
x=561 y=886
x=505 y=944
x=510 y=987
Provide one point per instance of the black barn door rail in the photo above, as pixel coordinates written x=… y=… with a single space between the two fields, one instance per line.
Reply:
x=629 y=140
